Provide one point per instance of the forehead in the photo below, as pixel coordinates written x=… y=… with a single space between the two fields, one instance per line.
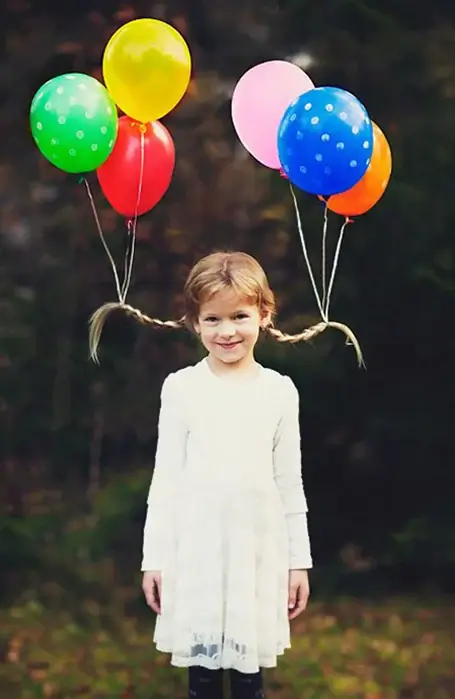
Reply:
x=226 y=302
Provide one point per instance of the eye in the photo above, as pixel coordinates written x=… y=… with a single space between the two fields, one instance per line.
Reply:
x=241 y=316
x=211 y=319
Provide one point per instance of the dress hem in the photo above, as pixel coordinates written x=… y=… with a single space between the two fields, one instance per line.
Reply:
x=202 y=661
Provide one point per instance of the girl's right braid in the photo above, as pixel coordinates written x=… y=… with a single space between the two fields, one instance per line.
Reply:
x=98 y=320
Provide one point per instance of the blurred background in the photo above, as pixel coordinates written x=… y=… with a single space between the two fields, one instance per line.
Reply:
x=77 y=440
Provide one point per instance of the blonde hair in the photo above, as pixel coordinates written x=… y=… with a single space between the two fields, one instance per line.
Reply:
x=220 y=271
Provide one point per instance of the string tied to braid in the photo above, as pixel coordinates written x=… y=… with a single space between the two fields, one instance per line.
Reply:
x=323 y=301
x=99 y=317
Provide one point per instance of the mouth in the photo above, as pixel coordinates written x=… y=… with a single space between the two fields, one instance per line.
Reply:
x=228 y=345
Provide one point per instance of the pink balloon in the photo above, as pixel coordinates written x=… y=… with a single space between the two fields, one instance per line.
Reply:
x=259 y=102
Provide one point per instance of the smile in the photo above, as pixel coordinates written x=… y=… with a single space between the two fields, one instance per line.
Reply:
x=228 y=345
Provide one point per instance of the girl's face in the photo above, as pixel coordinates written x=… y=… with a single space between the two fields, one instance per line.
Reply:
x=229 y=329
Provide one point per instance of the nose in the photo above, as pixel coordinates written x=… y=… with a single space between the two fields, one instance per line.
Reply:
x=227 y=330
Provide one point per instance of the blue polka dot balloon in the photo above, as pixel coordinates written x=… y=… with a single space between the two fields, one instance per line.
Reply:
x=325 y=141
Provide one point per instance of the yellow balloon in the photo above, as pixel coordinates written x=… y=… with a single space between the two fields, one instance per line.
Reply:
x=147 y=68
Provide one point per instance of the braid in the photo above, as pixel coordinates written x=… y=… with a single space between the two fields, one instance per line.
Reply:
x=98 y=320
x=309 y=333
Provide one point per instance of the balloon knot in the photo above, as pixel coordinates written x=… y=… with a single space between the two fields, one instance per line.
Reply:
x=349 y=219
x=283 y=174
x=143 y=128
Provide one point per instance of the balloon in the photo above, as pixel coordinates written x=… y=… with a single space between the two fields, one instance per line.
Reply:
x=74 y=122
x=259 y=101
x=119 y=176
x=147 y=68
x=366 y=193
x=325 y=141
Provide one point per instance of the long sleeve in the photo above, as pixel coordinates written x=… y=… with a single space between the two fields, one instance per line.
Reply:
x=288 y=478
x=169 y=462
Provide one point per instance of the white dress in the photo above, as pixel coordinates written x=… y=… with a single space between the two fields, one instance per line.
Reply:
x=226 y=517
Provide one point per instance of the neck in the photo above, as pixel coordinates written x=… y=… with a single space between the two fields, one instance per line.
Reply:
x=245 y=367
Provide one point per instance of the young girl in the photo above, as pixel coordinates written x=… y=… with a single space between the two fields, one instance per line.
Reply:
x=226 y=550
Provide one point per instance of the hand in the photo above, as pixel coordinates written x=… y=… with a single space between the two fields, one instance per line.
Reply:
x=151 y=585
x=299 y=591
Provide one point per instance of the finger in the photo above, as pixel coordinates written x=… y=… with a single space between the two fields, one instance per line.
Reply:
x=299 y=608
x=148 y=594
x=157 y=596
x=293 y=594
x=150 y=598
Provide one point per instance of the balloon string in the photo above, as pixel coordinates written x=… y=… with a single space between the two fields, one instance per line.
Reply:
x=336 y=258
x=132 y=225
x=324 y=257
x=102 y=238
x=306 y=256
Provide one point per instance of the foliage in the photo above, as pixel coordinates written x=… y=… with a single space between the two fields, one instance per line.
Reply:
x=348 y=650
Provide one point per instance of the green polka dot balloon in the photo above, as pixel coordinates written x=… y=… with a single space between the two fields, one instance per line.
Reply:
x=74 y=122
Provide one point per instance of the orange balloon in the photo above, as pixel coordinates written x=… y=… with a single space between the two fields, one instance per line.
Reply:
x=369 y=190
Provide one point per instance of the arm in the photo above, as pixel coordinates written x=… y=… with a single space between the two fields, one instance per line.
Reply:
x=288 y=478
x=169 y=461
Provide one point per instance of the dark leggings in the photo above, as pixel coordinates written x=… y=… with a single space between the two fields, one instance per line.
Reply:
x=208 y=684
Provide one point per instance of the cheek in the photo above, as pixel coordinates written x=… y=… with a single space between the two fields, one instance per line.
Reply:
x=251 y=332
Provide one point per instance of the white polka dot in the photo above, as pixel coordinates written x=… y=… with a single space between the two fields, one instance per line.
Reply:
x=343 y=116
x=62 y=120
x=88 y=115
x=353 y=163
x=368 y=161
x=355 y=130
x=293 y=117
x=55 y=141
x=294 y=103
x=103 y=130
x=315 y=120
x=340 y=145
x=47 y=106
x=327 y=171
x=367 y=121
x=329 y=108
x=72 y=152
x=60 y=91
x=70 y=77
x=325 y=137
x=79 y=134
x=111 y=143
x=81 y=86
x=39 y=126
x=39 y=96
x=366 y=144
x=94 y=147
x=72 y=101
x=299 y=135
x=318 y=157
x=308 y=106
x=303 y=169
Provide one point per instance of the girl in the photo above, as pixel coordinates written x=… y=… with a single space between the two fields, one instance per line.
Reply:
x=226 y=550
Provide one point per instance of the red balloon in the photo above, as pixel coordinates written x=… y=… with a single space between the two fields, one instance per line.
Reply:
x=119 y=175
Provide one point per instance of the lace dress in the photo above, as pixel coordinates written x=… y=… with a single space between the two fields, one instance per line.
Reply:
x=226 y=517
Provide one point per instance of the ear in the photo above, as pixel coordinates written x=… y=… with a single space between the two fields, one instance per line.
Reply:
x=197 y=328
x=266 y=319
